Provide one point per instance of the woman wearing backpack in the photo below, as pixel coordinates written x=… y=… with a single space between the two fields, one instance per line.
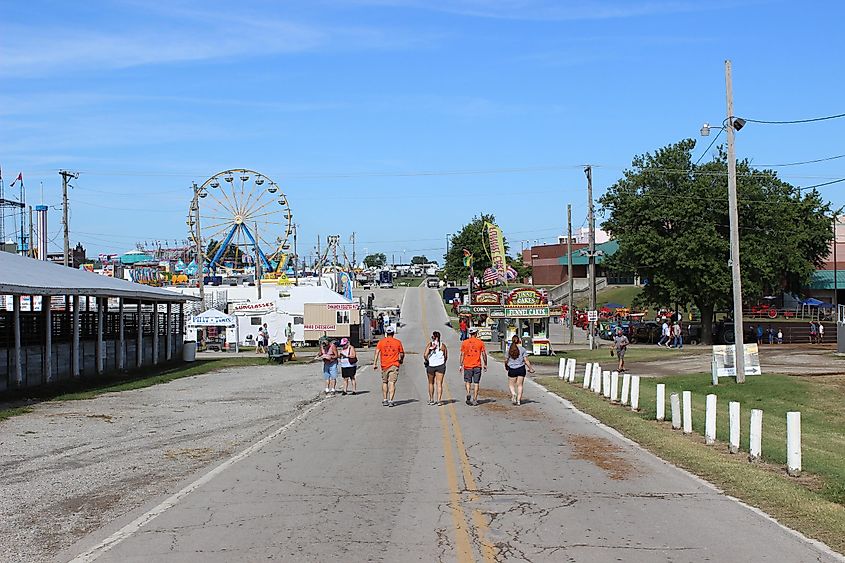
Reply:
x=435 y=367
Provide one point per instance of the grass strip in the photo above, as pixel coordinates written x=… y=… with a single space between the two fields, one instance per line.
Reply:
x=794 y=502
x=136 y=379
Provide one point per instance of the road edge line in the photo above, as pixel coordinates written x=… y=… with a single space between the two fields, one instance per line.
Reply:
x=821 y=546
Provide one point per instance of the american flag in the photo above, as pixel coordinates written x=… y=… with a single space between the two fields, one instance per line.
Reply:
x=491 y=276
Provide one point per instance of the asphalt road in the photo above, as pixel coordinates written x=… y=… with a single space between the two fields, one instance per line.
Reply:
x=351 y=480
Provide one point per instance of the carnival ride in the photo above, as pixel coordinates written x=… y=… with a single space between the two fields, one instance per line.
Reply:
x=240 y=217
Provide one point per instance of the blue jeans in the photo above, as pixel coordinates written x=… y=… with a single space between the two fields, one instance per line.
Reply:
x=330 y=371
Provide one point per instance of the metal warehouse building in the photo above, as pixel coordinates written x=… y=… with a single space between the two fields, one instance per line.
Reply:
x=57 y=323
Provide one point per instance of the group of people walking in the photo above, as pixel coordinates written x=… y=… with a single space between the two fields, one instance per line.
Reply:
x=390 y=356
x=671 y=335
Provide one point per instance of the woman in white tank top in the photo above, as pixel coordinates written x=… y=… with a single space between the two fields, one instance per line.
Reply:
x=435 y=367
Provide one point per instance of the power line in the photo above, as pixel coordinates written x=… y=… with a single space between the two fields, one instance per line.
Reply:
x=713 y=142
x=793 y=121
x=801 y=162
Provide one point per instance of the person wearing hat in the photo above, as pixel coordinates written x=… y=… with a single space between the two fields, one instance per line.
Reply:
x=389 y=356
x=473 y=362
x=620 y=344
x=348 y=365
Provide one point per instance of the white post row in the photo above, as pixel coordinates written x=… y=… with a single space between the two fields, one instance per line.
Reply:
x=661 y=401
x=710 y=420
x=614 y=387
x=755 y=447
x=605 y=384
x=687 y=412
x=793 y=443
x=675 y=401
x=635 y=393
x=587 y=371
x=626 y=387
x=733 y=409
x=570 y=366
x=561 y=368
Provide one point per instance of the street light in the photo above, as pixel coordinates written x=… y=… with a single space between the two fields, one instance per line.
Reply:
x=730 y=126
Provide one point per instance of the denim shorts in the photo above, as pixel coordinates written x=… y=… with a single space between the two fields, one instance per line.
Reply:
x=330 y=371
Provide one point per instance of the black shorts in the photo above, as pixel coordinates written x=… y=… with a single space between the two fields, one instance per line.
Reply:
x=431 y=370
x=516 y=372
x=348 y=373
x=472 y=375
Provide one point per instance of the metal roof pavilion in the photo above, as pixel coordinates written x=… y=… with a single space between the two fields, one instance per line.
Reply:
x=20 y=275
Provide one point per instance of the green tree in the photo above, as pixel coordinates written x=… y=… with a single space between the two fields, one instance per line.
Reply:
x=472 y=237
x=419 y=260
x=670 y=218
x=375 y=260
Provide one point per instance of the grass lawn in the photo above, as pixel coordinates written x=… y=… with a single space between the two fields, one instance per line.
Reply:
x=634 y=354
x=139 y=379
x=408 y=282
x=622 y=294
x=813 y=504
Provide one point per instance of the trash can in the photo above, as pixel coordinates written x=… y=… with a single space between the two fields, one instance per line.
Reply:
x=189 y=351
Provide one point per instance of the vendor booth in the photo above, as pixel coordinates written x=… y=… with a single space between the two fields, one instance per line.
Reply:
x=210 y=329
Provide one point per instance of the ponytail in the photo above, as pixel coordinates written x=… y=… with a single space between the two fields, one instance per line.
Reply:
x=513 y=351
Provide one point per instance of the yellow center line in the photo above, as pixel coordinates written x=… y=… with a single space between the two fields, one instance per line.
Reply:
x=487 y=550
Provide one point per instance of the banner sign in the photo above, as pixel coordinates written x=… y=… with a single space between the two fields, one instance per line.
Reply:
x=497 y=250
x=477 y=309
x=526 y=296
x=342 y=306
x=486 y=298
x=320 y=326
x=724 y=356
x=258 y=307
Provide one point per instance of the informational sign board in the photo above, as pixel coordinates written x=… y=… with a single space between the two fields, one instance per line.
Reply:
x=724 y=356
x=592 y=316
x=257 y=307
x=320 y=326
x=342 y=306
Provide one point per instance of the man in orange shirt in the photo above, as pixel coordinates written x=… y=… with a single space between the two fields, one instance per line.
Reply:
x=389 y=356
x=473 y=361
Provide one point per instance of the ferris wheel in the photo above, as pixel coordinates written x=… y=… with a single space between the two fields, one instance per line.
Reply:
x=238 y=214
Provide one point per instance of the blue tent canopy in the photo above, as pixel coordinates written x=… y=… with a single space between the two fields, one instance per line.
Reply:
x=812 y=302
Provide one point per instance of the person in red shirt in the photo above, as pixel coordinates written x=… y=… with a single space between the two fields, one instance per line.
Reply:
x=473 y=361
x=463 y=325
x=389 y=356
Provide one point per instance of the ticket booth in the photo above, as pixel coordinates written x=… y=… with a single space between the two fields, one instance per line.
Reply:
x=526 y=313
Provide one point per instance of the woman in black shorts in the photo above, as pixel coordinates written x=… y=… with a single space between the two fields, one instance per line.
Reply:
x=348 y=366
x=435 y=367
x=516 y=362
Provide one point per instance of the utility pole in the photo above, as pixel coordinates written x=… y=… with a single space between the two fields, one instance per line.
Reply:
x=736 y=279
x=198 y=236
x=591 y=219
x=30 y=251
x=66 y=176
x=354 y=262
x=320 y=261
x=295 y=258
x=570 y=300
x=257 y=262
x=835 y=271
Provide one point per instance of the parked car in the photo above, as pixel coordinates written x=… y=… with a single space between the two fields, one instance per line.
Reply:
x=432 y=282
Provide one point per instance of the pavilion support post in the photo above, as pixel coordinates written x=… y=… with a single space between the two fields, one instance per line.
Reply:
x=47 y=365
x=155 y=333
x=139 y=343
x=16 y=321
x=98 y=344
x=168 y=338
x=121 y=337
x=74 y=345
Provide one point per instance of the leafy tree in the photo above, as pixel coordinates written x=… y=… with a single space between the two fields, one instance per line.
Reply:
x=472 y=237
x=670 y=218
x=375 y=260
x=419 y=260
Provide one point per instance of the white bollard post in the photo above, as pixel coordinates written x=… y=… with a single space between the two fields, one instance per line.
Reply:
x=561 y=368
x=626 y=387
x=635 y=393
x=675 y=401
x=710 y=420
x=614 y=387
x=587 y=371
x=793 y=443
x=571 y=364
x=661 y=401
x=755 y=447
x=597 y=378
x=605 y=384
x=733 y=409
x=687 y=412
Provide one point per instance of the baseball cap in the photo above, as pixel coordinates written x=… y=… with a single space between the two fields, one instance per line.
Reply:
x=389 y=330
x=473 y=329
x=344 y=341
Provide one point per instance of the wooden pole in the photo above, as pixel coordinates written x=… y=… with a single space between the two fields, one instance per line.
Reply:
x=121 y=337
x=139 y=338
x=98 y=345
x=570 y=300
x=168 y=338
x=155 y=333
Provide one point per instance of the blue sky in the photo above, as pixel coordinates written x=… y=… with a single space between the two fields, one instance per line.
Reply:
x=345 y=102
